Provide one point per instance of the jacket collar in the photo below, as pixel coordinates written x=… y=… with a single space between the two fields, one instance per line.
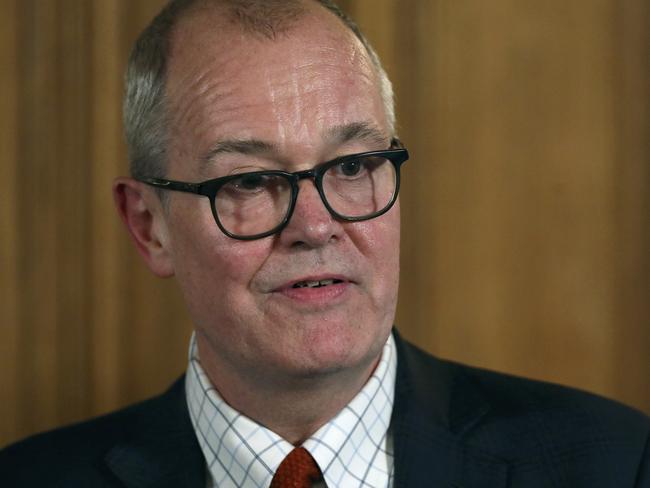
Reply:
x=436 y=408
x=162 y=450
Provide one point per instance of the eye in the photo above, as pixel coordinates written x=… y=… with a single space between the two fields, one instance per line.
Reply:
x=250 y=182
x=351 y=168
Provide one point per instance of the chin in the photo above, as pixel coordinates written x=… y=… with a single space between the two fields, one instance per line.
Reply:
x=331 y=350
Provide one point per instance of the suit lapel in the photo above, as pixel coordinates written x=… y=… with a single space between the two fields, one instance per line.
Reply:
x=436 y=406
x=162 y=450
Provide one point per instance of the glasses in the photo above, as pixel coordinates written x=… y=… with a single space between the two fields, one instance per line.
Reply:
x=257 y=204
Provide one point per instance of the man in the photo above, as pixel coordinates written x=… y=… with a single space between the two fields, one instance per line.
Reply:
x=265 y=172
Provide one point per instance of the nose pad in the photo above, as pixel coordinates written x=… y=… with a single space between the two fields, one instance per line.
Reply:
x=311 y=222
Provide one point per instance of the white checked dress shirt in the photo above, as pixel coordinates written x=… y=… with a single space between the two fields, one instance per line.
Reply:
x=354 y=449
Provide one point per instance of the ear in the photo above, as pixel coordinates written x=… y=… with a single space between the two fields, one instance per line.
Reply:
x=142 y=213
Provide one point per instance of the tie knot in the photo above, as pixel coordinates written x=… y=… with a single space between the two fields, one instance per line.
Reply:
x=297 y=470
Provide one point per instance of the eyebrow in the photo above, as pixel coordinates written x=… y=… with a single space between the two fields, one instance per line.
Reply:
x=355 y=131
x=240 y=146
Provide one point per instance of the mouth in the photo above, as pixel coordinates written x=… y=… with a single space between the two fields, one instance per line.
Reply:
x=316 y=283
x=319 y=291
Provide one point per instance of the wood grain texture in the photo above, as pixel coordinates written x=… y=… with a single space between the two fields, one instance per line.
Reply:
x=39 y=237
x=525 y=206
x=512 y=223
x=632 y=207
x=107 y=320
x=9 y=426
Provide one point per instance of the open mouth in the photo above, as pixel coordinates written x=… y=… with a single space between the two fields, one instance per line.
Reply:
x=316 y=284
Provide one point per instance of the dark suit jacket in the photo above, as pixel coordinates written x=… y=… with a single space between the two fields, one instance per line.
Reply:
x=453 y=426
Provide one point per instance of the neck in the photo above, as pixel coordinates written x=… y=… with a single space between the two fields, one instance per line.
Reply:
x=293 y=407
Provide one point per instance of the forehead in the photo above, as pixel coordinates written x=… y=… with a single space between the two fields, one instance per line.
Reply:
x=209 y=34
x=226 y=82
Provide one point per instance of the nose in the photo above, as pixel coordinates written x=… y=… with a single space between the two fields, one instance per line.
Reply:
x=311 y=224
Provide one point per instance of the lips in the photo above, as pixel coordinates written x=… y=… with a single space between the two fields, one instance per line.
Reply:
x=315 y=292
x=316 y=283
x=313 y=282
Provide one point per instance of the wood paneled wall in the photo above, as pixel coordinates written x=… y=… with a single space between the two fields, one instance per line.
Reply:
x=526 y=205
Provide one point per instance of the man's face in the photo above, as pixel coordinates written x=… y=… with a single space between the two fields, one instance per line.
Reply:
x=309 y=96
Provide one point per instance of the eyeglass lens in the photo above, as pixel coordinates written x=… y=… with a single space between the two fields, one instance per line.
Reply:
x=257 y=202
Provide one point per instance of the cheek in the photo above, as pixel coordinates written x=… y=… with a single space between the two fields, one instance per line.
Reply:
x=216 y=284
x=210 y=266
x=379 y=241
x=379 y=238
x=239 y=260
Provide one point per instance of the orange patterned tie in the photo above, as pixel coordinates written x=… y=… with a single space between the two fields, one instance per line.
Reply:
x=297 y=470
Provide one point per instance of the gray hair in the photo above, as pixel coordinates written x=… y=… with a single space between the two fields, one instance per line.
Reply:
x=145 y=115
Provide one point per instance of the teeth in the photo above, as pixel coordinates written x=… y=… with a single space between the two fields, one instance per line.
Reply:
x=315 y=284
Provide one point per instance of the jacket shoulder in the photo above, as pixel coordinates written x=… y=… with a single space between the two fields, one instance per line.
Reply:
x=567 y=411
x=564 y=432
x=77 y=451
x=536 y=426
x=510 y=398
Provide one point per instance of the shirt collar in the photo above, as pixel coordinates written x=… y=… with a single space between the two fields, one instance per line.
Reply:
x=354 y=445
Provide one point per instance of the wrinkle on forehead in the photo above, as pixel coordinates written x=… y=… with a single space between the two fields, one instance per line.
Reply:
x=212 y=74
x=195 y=92
x=307 y=96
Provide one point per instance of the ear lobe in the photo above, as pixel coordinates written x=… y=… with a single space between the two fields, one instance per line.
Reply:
x=142 y=214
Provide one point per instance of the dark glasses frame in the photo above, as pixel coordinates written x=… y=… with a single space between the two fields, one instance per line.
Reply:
x=397 y=155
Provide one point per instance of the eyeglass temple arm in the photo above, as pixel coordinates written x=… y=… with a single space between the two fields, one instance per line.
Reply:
x=172 y=185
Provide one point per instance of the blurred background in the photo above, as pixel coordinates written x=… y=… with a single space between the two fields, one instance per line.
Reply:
x=526 y=203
